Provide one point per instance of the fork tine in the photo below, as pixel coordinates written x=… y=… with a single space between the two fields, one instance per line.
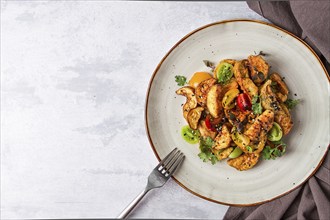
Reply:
x=167 y=158
x=177 y=164
x=168 y=165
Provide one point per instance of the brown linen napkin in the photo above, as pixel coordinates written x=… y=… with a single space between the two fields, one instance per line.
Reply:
x=309 y=20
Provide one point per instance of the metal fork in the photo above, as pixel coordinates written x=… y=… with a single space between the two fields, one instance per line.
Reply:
x=158 y=177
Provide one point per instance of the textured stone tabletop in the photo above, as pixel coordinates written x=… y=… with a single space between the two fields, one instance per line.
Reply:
x=74 y=75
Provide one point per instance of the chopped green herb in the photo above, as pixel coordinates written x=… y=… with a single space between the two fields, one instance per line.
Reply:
x=203 y=156
x=205 y=147
x=256 y=106
x=272 y=153
x=213 y=159
x=181 y=80
x=291 y=103
x=206 y=144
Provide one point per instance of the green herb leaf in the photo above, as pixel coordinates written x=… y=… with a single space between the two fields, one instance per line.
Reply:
x=256 y=106
x=181 y=80
x=291 y=103
x=205 y=147
x=208 y=142
x=203 y=156
x=213 y=159
x=267 y=152
x=272 y=153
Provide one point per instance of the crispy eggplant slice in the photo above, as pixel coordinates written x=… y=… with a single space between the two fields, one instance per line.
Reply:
x=249 y=87
x=283 y=118
x=191 y=101
x=258 y=69
x=202 y=90
x=223 y=139
x=269 y=101
x=193 y=117
x=241 y=70
x=213 y=101
x=268 y=97
x=262 y=122
x=244 y=162
x=280 y=89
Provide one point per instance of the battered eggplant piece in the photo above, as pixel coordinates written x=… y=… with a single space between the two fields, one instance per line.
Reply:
x=244 y=162
x=259 y=146
x=241 y=73
x=268 y=97
x=241 y=70
x=258 y=69
x=213 y=101
x=202 y=89
x=281 y=90
x=193 y=117
x=262 y=122
x=269 y=101
x=232 y=84
x=223 y=139
x=249 y=87
x=191 y=101
x=283 y=118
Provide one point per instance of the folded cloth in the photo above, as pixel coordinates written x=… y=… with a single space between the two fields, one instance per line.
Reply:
x=309 y=20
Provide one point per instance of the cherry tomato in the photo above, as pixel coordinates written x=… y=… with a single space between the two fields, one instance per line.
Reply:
x=208 y=123
x=212 y=123
x=198 y=77
x=243 y=102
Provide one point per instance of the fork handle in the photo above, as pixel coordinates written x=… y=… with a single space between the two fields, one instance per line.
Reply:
x=132 y=205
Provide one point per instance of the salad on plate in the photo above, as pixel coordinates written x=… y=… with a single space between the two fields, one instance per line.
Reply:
x=238 y=111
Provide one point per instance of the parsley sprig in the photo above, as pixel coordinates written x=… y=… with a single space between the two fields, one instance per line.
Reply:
x=291 y=103
x=272 y=153
x=256 y=106
x=181 y=80
x=205 y=147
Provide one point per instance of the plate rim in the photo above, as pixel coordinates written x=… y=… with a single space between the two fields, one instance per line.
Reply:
x=171 y=50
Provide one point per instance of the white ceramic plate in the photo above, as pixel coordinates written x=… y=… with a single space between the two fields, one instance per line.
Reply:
x=305 y=76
